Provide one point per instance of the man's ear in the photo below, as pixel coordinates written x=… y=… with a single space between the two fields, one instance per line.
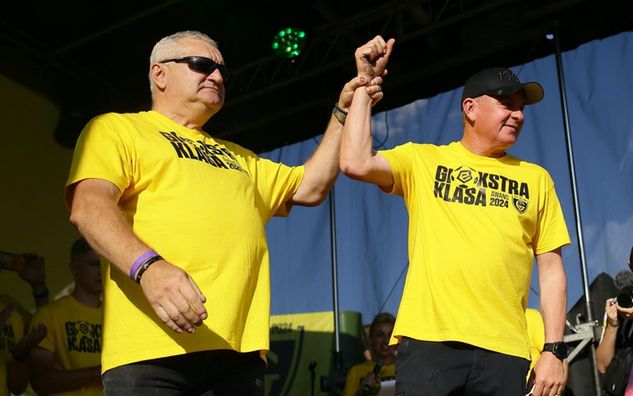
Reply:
x=469 y=107
x=159 y=77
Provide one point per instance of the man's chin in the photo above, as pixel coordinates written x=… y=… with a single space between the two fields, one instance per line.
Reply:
x=214 y=106
x=384 y=354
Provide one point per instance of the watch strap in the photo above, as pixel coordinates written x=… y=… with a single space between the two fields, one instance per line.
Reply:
x=558 y=348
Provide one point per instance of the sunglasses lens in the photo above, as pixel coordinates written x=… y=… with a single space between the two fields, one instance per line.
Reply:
x=206 y=66
x=202 y=65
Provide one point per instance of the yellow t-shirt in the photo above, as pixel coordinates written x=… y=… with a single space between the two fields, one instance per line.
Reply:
x=11 y=332
x=17 y=308
x=202 y=204
x=358 y=371
x=475 y=224
x=74 y=334
x=536 y=333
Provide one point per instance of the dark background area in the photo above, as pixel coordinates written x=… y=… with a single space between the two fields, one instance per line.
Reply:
x=92 y=57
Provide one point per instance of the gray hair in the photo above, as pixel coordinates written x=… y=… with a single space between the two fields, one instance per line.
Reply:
x=169 y=47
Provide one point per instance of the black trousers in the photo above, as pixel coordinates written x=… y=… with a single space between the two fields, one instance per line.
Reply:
x=209 y=373
x=426 y=368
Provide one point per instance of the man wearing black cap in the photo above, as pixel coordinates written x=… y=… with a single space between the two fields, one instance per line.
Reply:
x=477 y=219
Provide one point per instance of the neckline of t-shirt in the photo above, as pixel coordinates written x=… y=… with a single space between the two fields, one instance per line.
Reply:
x=505 y=159
x=177 y=125
x=83 y=306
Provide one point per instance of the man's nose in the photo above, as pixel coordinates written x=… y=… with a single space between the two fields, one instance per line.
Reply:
x=216 y=76
x=518 y=115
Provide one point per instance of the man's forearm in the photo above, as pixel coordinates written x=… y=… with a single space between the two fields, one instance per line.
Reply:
x=321 y=169
x=606 y=349
x=100 y=221
x=553 y=290
x=40 y=294
x=356 y=150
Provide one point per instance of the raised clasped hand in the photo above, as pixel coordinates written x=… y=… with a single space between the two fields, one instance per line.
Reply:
x=372 y=58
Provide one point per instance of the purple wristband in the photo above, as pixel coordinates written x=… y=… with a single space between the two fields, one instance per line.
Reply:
x=139 y=261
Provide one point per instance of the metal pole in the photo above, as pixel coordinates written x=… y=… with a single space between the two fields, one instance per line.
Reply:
x=574 y=190
x=337 y=342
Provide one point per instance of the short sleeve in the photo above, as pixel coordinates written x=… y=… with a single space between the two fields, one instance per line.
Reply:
x=105 y=151
x=400 y=159
x=552 y=230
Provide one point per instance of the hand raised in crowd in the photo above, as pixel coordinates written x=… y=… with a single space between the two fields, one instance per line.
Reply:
x=611 y=309
x=33 y=272
x=174 y=296
x=372 y=57
x=30 y=340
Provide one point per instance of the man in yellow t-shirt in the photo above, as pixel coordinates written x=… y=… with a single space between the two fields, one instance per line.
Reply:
x=477 y=219
x=179 y=216
x=67 y=360
x=362 y=379
x=13 y=372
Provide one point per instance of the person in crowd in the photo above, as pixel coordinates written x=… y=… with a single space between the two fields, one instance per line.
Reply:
x=15 y=342
x=364 y=379
x=15 y=347
x=478 y=217
x=179 y=216
x=616 y=340
x=67 y=361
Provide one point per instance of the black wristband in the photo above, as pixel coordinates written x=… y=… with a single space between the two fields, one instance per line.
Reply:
x=340 y=114
x=145 y=266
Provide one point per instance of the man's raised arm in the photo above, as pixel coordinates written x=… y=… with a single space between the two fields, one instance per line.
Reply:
x=322 y=168
x=357 y=160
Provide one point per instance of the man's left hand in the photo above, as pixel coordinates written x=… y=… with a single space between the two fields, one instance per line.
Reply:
x=549 y=376
x=373 y=87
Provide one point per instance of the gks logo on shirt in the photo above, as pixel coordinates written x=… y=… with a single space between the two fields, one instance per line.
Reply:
x=467 y=186
x=83 y=336
x=214 y=155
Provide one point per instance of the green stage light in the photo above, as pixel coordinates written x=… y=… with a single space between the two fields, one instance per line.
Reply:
x=289 y=42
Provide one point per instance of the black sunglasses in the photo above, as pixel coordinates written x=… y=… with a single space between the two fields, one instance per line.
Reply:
x=201 y=64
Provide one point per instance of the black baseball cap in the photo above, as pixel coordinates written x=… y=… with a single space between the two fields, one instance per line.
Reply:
x=500 y=81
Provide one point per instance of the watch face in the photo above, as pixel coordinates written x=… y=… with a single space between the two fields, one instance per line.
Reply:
x=560 y=350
